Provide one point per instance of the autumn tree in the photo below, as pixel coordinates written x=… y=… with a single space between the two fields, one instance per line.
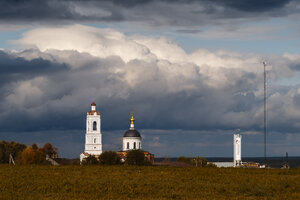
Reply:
x=33 y=155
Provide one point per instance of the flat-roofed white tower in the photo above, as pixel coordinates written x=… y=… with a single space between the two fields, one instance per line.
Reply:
x=237 y=147
x=93 y=135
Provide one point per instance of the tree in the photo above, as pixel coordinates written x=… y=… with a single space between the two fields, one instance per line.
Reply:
x=90 y=160
x=110 y=158
x=49 y=150
x=135 y=157
x=28 y=156
x=10 y=148
x=33 y=156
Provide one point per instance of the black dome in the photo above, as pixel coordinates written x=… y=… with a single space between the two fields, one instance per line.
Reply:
x=132 y=133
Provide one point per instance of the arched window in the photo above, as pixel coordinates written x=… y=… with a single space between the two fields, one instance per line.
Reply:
x=94 y=126
x=134 y=145
x=95 y=140
x=127 y=145
x=139 y=145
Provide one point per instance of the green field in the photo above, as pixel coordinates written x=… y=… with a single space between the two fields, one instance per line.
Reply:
x=146 y=182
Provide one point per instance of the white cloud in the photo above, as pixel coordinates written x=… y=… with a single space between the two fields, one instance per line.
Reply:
x=97 y=42
x=161 y=52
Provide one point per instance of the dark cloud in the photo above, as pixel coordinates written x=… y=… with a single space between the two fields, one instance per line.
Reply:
x=14 y=65
x=295 y=66
x=15 y=69
x=152 y=12
x=35 y=10
x=191 y=31
x=255 y=5
x=60 y=101
x=56 y=97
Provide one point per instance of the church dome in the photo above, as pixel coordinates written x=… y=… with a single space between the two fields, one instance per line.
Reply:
x=132 y=133
x=93 y=103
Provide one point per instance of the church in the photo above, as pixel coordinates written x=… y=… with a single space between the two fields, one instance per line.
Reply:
x=132 y=139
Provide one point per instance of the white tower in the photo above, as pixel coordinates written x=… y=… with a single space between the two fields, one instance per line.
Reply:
x=132 y=138
x=93 y=136
x=237 y=146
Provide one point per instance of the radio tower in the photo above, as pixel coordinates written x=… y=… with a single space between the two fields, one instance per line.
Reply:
x=265 y=112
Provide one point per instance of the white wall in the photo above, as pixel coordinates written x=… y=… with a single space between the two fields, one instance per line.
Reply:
x=131 y=141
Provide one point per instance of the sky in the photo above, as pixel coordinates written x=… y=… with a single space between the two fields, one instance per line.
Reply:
x=191 y=70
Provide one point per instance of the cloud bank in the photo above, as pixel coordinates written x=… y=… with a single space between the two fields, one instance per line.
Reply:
x=152 y=12
x=49 y=85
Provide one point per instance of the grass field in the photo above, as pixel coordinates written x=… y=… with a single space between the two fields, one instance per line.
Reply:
x=146 y=182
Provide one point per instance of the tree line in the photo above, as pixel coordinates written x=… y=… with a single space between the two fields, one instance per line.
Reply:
x=21 y=154
x=133 y=157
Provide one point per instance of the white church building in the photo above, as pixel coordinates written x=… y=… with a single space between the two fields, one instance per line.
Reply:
x=132 y=138
x=93 y=135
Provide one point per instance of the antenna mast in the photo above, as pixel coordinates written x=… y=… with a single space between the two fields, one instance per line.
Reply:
x=265 y=112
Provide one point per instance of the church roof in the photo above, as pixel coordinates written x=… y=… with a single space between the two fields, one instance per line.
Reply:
x=92 y=112
x=132 y=133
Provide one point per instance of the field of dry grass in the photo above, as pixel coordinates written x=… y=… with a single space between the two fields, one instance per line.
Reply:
x=146 y=182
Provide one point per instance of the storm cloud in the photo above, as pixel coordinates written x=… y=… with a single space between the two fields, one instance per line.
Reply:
x=179 y=13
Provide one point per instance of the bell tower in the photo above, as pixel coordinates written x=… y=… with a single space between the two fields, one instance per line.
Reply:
x=93 y=136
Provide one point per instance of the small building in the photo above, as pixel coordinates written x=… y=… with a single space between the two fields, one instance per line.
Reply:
x=251 y=165
x=223 y=164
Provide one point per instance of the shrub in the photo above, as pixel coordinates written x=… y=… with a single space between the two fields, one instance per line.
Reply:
x=90 y=160
x=184 y=160
x=109 y=158
x=198 y=161
x=136 y=157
